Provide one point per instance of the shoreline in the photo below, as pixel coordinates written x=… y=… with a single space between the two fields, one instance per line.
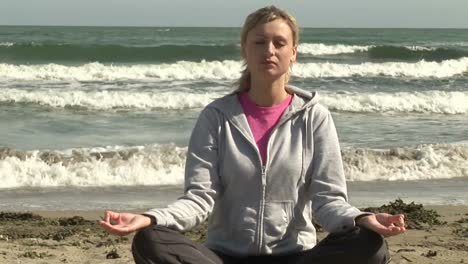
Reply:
x=81 y=240
x=360 y=194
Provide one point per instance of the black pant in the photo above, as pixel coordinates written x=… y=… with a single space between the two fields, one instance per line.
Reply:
x=160 y=245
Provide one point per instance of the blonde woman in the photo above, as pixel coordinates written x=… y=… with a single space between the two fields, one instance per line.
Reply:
x=261 y=163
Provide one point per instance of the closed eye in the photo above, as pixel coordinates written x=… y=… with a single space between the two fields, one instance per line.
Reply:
x=279 y=44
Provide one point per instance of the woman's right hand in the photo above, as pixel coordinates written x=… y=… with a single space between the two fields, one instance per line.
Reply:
x=124 y=223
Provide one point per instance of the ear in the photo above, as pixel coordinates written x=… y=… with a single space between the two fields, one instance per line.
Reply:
x=294 y=54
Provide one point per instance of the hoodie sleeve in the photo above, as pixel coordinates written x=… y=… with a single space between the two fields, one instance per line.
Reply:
x=327 y=180
x=201 y=178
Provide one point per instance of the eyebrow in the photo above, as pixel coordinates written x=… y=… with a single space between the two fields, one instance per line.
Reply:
x=274 y=37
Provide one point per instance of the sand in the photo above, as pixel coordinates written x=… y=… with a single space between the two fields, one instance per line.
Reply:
x=58 y=238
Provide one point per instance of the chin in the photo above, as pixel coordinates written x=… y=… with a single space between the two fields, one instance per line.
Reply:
x=271 y=74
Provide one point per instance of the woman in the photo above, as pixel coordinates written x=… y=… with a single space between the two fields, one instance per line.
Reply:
x=261 y=162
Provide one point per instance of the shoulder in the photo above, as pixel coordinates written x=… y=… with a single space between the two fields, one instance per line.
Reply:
x=319 y=110
x=215 y=111
x=319 y=116
x=223 y=102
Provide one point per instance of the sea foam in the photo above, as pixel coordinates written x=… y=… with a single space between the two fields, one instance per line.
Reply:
x=164 y=165
x=108 y=100
x=438 y=161
x=432 y=102
x=317 y=49
x=226 y=70
x=145 y=165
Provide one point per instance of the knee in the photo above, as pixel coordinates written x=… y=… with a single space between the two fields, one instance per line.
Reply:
x=377 y=249
x=145 y=235
x=154 y=235
x=381 y=256
x=140 y=245
x=148 y=247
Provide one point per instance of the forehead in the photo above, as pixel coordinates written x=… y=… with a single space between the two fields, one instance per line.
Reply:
x=275 y=28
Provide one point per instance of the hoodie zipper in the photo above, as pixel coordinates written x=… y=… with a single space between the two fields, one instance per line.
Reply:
x=259 y=237
x=262 y=211
x=260 y=227
x=262 y=202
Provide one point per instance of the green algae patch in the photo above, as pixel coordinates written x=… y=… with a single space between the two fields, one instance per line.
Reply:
x=15 y=225
x=13 y=216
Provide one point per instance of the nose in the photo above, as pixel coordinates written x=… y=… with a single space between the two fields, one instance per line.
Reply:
x=270 y=49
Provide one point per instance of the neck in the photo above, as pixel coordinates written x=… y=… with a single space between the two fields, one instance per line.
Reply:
x=265 y=93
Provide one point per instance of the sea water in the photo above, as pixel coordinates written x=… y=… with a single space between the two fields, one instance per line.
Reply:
x=100 y=117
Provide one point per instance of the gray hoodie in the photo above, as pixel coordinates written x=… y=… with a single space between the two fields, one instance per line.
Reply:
x=257 y=209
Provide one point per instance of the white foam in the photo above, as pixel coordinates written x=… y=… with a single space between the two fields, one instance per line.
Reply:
x=441 y=161
x=108 y=100
x=317 y=49
x=164 y=165
x=148 y=165
x=225 y=70
x=420 y=48
x=7 y=44
x=421 y=69
x=439 y=102
x=182 y=70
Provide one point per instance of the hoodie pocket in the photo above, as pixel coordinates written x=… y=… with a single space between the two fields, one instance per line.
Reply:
x=277 y=217
x=245 y=225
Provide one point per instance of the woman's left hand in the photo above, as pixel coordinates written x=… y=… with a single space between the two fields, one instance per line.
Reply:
x=124 y=223
x=384 y=224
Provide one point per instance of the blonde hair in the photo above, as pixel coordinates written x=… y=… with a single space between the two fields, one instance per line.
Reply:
x=262 y=16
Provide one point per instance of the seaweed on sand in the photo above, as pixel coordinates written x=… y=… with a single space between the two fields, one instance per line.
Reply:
x=16 y=225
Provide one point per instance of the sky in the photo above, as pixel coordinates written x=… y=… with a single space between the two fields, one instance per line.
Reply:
x=218 y=13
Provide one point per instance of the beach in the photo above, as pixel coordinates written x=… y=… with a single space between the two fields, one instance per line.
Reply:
x=81 y=240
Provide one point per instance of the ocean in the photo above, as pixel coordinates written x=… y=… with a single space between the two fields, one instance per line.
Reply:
x=98 y=118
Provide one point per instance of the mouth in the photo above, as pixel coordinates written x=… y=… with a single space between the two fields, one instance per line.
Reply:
x=269 y=63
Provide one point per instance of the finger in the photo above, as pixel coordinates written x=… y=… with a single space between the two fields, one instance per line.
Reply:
x=116 y=229
x=395 y=231
x=401 y=220
x=112 y=216
x=384 y=231
x=107 y=216
x=106 y=226
x=377 y=227
x=398 y=220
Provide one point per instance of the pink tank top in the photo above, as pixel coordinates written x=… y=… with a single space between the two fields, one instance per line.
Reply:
x=262 y=120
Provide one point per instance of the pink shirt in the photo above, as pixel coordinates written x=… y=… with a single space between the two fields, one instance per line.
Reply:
x=262 y=119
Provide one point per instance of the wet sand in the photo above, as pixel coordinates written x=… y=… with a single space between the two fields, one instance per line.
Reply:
x=61 y=237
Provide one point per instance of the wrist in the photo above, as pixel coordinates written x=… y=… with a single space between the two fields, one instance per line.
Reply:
x=151 y=218
x=360 y=219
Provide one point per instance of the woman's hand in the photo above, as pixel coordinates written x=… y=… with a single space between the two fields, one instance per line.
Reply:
x=124 y=223
x=384 y=224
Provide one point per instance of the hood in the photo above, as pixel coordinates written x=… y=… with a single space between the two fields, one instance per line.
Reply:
x=230 y=106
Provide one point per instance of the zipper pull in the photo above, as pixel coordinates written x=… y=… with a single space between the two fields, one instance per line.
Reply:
x=264 y=176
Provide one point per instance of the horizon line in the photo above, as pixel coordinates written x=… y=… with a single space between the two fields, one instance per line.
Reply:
x=146 y=26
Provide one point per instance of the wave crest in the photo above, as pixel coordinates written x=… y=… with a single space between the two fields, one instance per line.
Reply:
x=226 y=70
x=164 y=165
x=432 y=102
x=425 y=162
x=148 y=165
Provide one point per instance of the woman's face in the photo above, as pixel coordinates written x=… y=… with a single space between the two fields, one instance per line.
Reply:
x=269 y=50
